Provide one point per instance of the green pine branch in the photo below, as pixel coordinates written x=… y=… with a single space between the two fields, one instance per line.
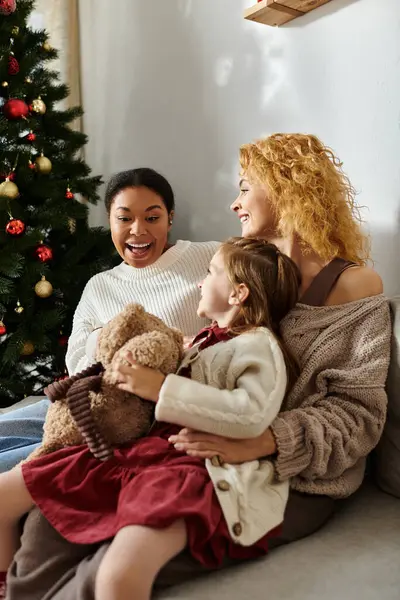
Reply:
x=78 y=252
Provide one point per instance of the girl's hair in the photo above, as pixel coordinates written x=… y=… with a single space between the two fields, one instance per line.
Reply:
x=143 y=177
x=273 y=281
x=309 y=193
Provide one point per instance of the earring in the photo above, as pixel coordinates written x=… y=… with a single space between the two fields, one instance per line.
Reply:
x=170 y=222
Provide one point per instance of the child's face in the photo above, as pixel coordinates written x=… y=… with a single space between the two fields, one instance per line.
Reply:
x=139 y=224
x=218 y=298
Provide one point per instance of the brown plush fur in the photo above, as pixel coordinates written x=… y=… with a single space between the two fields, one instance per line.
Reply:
x=119 y=416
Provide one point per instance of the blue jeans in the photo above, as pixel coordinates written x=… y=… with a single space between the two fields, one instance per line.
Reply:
x=21 y=432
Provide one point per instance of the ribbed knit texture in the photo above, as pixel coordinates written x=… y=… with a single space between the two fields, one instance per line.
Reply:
x=167 y=289
x=335 y=413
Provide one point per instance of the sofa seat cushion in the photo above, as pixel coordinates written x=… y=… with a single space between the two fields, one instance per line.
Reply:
x=356 y=555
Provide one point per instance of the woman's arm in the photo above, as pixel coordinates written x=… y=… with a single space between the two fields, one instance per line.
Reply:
x=85 y=330
x=257 y=375
x=344 y=419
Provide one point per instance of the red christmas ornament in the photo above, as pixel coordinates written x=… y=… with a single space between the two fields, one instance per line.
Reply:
x=31 y=137
x=3 y=329
x=63 y=340
x=15 y=109
x=7 y=7
x=13 y=65
x=32 y=165
x=15 y=227
x=44 y=253
x=69 y=195
x=10 y=176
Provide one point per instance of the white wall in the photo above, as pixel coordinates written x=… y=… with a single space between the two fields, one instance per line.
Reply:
x=178 y=85
x=52 y=15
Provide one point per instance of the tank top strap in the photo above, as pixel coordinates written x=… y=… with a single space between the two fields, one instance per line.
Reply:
x=321 y=286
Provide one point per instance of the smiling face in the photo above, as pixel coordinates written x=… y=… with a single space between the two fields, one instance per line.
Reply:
x=139 y=223
x=254 y=210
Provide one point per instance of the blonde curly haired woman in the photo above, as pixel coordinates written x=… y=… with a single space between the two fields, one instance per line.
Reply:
x=294 y=193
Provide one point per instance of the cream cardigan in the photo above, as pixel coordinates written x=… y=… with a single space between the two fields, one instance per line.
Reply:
x=236 y=390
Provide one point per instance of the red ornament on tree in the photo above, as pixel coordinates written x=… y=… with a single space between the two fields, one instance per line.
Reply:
x=15 y=227
x=31 y=137
x=10 y=176
x=7 y=7
x=32 y=165
x=13 y=65
x=69 y=195
x=3 y=329
x=63 y=341
x=44 y=253
x=15 y=109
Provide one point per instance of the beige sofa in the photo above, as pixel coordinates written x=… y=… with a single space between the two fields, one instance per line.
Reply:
x=356 y=556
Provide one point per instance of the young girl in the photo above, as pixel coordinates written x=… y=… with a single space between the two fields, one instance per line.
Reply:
x=152 y=499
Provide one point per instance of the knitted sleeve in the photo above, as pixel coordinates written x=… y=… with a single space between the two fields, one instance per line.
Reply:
x=343 y=420
x=252 y=387
x=84 y=324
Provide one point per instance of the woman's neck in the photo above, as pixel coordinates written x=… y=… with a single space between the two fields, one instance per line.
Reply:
x=309 y=263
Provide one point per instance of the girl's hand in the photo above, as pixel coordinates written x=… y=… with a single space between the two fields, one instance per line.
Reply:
x=187 y=340
x=139 y=380
x=206 y=445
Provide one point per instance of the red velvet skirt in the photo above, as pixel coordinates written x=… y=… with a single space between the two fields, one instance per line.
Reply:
x=148 y=483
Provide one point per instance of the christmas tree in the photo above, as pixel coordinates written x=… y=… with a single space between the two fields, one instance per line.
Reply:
x=47 y=250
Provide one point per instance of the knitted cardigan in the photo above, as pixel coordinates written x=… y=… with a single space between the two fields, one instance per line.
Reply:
x=335 y=413
x=235 y=390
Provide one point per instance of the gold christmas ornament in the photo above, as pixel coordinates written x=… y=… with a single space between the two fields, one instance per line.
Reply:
x=47 y=47
x=8 y=189
x=4 y=84
x=43 y=165
x=15 y=30
x=19 y=309
x=28 y=80
x=43 y=288
x=72 y=225
x=38 y=106
x=27 y=349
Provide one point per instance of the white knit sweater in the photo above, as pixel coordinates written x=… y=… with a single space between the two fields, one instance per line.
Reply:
x=167 y=289
x=236 y=390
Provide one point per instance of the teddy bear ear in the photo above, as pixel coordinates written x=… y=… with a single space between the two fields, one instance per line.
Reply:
x=133 y=309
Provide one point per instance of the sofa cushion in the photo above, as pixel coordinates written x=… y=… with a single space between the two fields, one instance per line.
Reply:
x=387 y=455
x=355 y=555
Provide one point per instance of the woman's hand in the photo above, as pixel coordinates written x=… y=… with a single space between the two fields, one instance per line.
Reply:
x=206 y=445
x=139 y=380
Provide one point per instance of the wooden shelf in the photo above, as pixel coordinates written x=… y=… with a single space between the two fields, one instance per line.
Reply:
x=270 y=12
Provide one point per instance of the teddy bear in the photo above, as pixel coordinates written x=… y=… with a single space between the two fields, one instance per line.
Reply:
x=90 y=408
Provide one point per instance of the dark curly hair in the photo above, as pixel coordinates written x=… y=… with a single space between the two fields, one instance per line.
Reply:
x=143 y=177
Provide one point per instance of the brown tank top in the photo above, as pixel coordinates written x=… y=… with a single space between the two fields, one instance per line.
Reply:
x=321 y=286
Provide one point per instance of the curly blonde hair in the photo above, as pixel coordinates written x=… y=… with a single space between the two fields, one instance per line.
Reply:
x=310 y=194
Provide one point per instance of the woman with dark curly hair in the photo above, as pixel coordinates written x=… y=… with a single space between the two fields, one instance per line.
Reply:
x=155 y=273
